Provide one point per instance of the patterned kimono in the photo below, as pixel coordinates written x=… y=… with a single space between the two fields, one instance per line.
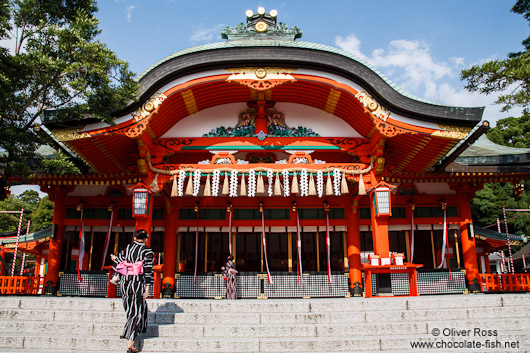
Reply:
x=230 y=274
x=132 y=288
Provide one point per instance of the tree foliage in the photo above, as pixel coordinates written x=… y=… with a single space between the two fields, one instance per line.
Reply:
x=488 y=202
x=56 y=64
x=510 y=76
x=39 y=211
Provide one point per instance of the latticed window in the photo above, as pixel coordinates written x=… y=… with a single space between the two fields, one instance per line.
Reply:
x=255 y=214
x=210 y=213
x=320 y=213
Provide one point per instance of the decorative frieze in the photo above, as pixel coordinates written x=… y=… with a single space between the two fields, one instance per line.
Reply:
x=372 y=105
x=452 y=132
x=149 y=106
x=261 y=78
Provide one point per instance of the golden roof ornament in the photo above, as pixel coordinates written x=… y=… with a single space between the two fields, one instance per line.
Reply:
x=261 y=25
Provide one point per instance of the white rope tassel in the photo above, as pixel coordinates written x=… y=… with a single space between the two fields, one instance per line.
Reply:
x=189 y=186
x=344 y=185
x=174 y=187
x=207 y=188
x=329 y=187
x=243 y=191
x=225 y=185
x=312 y=188
x=294 y=187
x=277 y=187
x=362 y=189
x=154 y=184
x=260 y=188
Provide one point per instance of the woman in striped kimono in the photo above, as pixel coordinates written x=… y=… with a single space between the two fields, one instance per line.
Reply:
x=230 y=274
x=135 y=263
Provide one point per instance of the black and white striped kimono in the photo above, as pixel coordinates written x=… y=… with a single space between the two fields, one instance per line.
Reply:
x=230 y=275
x=132 y=288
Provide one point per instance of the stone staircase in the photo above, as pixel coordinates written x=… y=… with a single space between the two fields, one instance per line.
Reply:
x=70 y=324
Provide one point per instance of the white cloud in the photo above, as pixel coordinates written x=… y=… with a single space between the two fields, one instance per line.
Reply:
x=410 y=64
x=205 y=35
x=129 y=12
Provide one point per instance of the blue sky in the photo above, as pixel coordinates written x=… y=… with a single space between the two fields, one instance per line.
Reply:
x=422 y=45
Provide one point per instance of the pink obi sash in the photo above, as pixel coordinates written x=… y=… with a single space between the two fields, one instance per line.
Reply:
x=127 y=268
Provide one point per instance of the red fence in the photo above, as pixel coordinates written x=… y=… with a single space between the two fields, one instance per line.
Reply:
x=505 y=283
x=20 y=284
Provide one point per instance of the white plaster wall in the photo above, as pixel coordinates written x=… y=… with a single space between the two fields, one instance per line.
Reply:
x=434 y=189
x=226 y=115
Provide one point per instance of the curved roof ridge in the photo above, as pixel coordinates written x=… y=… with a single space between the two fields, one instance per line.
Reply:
x=294 y=44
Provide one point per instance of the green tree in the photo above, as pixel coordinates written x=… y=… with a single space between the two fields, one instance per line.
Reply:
x=510 y=76
x=42 y=217
x=38 y=211
x=56 y=66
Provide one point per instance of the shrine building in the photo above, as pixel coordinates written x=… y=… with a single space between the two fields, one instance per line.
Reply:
x=319 y=175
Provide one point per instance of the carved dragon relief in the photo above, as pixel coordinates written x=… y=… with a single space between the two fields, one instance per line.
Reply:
x=261 y=78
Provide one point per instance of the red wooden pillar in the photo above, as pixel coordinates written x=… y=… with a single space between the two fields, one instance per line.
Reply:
x=170 y=249
x=3 y=254
x=379 y=232
x=468 y=244
x=56 y=243
x=354 y=250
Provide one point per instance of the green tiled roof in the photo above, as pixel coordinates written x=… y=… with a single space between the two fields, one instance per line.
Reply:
x=279 y=43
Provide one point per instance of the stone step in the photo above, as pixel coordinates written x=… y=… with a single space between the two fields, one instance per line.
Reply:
x=67 y=324
x=273 y=305
x=517 y=343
